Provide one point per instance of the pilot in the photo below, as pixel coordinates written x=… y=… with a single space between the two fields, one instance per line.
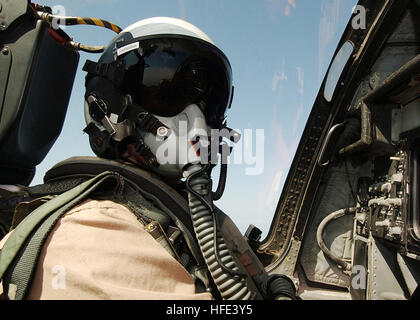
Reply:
x=151 y=102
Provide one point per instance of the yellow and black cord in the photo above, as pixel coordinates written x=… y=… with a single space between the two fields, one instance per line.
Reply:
x=71 y=21
x=98 y=22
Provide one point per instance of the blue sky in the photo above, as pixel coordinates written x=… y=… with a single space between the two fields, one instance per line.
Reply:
x=279 y=51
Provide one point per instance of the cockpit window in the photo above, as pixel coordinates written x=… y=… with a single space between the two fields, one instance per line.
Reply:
x=337 y=68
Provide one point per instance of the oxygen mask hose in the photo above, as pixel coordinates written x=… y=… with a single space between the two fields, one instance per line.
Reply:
x=223 y=269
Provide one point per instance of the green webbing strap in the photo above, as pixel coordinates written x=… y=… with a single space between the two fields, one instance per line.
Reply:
x=21 y=275
x=47 y=214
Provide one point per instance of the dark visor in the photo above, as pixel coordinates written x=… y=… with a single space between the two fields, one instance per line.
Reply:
x=166 y=74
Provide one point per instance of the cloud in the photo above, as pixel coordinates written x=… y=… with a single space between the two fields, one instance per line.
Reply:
x=272 y=195
x=301 y=80
x=298 y=115
x=283 y=76
x=275 y=81
x=279 y=76
x=287 y=11
x=276 y=8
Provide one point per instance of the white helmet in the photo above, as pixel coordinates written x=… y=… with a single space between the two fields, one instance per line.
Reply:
x=159 y=85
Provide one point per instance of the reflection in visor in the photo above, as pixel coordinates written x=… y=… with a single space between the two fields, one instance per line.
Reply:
x=166 y=74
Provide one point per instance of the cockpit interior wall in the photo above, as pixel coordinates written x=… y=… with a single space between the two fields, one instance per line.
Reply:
x=339 y=187
x=373 y=180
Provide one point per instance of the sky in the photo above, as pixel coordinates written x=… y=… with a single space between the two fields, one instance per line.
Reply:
x=280 y=51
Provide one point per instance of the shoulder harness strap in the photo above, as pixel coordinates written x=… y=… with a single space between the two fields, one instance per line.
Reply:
x=16 y=283
x=67 y=179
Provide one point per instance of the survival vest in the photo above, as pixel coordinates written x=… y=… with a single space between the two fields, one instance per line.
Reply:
x=164 y=212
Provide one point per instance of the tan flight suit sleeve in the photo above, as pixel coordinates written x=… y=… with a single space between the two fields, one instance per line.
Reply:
x=99 y=250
